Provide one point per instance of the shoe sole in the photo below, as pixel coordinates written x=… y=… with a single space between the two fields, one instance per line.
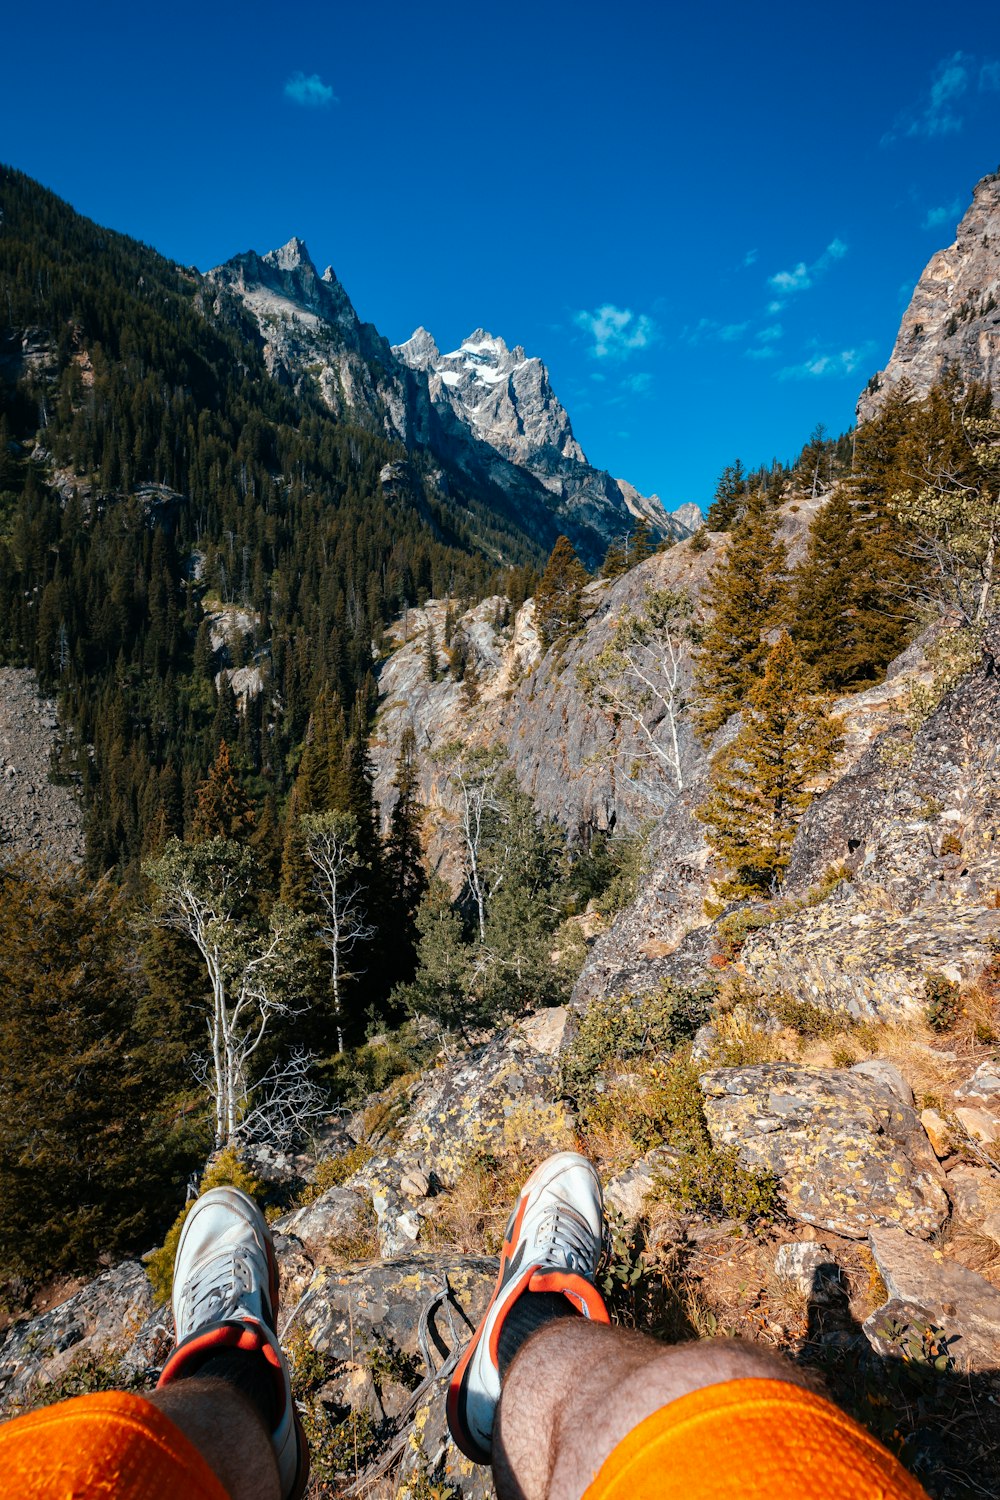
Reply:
x=546 y=1172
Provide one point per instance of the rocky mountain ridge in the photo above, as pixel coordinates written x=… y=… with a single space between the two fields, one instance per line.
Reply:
x=507 y=399
x=486 y=410
x=954 y=314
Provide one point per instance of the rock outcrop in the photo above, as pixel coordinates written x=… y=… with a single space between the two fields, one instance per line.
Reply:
x=847 y=1153
x=954 y=314
x=567 y=754
x=501 y=1096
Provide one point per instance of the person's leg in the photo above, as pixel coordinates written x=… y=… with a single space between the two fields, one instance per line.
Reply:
x=576 y=1389
x=228 y=1430
x=227 y=1384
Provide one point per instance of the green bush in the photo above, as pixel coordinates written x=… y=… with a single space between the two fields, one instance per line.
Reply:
x=225 y=1169
x=812 y=1021
x=732 y=931
x=941 y=997
x=352 y=1075
x=619 y=1028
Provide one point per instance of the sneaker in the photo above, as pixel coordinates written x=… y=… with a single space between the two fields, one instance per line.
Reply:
x=553 y=1243
x=226 y=1297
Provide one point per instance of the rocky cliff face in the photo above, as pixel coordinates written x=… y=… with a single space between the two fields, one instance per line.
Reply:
x=908 y=821
x=954 y=314
x=568 y=755
x=485 y=409
x=312 y=336
x=507 y=401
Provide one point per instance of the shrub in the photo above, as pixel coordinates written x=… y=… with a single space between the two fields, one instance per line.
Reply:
x=224 y=1169
x=661 y=1103
x=354 y=1074
x=812 y=1021
x=333 y=1171
x=941 y=996
x=619 y=1028
x=733 y=930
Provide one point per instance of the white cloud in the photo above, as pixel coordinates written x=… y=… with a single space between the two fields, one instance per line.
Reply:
x=760 y=351
x=310 y=92
x=617 y=332
x=711 y=328
x=948 y=213
x=638 y=383
x=750 y=259
x=792 y=281
x=941 y=111
x=775 y=306
x=803 y=276
x=826 y=366
x=770 y=333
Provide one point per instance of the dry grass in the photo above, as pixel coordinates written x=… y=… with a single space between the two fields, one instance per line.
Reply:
x=472 y=1216
x=383 y=1119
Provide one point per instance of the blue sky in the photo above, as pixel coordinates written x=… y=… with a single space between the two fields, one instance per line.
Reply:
x=706 y=220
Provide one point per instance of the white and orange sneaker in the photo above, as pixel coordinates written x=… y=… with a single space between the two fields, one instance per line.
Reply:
x=554 y=1243
x=225 y=1299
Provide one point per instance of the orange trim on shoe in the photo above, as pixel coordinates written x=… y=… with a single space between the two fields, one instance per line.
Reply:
x=245 y=1336
x=582 y=1293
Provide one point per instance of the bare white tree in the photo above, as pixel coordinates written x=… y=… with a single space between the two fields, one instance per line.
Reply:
x=331 y=844
x=203 y=892
x=638 y=680
x=287 y=1102
x=474 y=775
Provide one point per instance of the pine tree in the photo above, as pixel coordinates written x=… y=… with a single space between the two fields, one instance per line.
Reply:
x=406 y=877
x=615 y=561
x=223 y=808
x=744 y=597
x=78 y=1095
x=825 y=615
x=730 y=498
x=559 y=591
x=643 y=545
x=430 y=653
x=762 y=783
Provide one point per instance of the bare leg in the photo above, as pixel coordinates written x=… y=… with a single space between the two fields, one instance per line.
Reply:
x=577 y=1388
x=228 y=1431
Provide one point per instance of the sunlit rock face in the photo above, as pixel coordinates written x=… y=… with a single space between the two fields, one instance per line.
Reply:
x=954 y=313
x=504 y=398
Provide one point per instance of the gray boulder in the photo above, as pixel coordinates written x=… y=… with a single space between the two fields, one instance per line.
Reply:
x=961 y=1306
x=847 y=1154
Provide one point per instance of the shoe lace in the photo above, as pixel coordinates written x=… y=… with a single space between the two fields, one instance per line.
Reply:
x=218 y=1287
x=565 y=1237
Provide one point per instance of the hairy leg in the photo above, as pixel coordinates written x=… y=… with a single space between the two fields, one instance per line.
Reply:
x=577 y=1388
x=229 y=1432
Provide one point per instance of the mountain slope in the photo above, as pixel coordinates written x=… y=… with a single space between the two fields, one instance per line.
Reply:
x=954 y=313
x=507 y=400
x=486 y=414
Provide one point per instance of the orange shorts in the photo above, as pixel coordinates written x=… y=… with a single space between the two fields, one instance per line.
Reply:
x=742 y=1440
x=110 y=1444
x=751 y=1440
